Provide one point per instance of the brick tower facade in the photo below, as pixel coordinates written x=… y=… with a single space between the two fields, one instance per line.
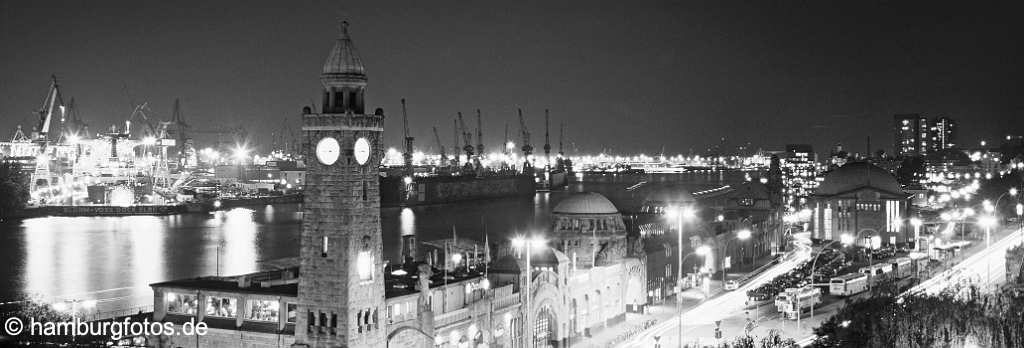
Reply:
x=341 y=285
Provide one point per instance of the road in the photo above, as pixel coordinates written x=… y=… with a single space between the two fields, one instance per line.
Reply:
x=698 y=322
x=986 y=268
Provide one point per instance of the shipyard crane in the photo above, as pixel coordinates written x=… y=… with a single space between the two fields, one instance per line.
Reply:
x=547 y=141
x=479 y=135
x=455 y=144
x=407 y=155
x=507 y=150
x=527 y=148
x=467 y=140
x=444 y=158
x=140 y=113
x=53 y=100
x=561 y=135
x=178 y=129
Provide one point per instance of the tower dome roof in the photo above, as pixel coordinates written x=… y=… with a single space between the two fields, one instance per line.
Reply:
x=586 y=203
x=343 y=60
x=857 y=175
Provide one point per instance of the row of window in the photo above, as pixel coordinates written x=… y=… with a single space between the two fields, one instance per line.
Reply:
x=227 y=307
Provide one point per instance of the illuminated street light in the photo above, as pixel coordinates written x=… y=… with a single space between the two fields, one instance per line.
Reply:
x=988 y=221
x=1013 y=191
x=846 y=239
x=529 y=243
x=743 y=234
x=240 y=154
x=916 y=222
x=703 y=250
x=149 y=141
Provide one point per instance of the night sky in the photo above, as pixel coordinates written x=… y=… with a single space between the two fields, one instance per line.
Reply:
x=626 y=76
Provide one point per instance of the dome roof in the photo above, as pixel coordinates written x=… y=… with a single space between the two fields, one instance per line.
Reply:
x=586 y=203
x=671 y=195
x=344 y=60
x=855 y=175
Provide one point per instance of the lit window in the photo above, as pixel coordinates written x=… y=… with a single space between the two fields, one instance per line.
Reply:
x=364 y=262
x=180 y=303
x=221 y=306
x=292 y=311
x=264 y=310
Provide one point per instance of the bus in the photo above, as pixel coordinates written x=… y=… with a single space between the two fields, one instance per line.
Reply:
x=848 y=284
x=902 y=267
x=795 y=300
x=877 y=270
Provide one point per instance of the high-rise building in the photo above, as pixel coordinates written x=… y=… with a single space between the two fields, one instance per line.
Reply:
x=911 y=134
x=943 y=133
x=800 y=172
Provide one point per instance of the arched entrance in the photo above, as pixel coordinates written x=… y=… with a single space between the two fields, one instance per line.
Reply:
x=544 y=328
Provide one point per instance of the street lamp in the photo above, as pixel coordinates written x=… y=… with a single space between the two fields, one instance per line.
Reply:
x=916 y=222
x=1020 y=212
x=988 y=221
x=680 y=213
x=528 y=243
x=743 y=234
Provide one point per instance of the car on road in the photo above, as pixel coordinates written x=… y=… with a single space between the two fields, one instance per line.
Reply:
x=732 y=285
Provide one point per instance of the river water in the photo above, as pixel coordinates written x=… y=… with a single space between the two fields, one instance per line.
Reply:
x=112 y=260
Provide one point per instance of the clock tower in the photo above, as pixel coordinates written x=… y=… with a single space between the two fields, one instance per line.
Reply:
x=341 y=285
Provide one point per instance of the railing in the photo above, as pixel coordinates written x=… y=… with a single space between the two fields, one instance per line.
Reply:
x=452 y=317
x=505 y=301
x=93 y=316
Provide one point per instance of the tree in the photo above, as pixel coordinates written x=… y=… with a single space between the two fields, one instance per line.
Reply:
x=13 y=189
x=961 y=316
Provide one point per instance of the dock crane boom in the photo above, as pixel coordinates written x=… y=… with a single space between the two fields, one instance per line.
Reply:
x=53 y=100
x=444 y=158
x=472 y=162
x=527 y=147
x=455 y=143
x=407 y=155
x=547 y=141
x=479 y=135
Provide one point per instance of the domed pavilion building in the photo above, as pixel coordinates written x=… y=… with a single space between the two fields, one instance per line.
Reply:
x=863 y=202
x=585 y=279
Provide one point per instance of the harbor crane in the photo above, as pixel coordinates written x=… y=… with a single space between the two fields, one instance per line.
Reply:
x=467 y=140
x=53 y=100
x=407 y=155
x=444 y=158
x=455 y=144
x=479 y=135
x=527 y=148
x=547 y=141
x=41 y=135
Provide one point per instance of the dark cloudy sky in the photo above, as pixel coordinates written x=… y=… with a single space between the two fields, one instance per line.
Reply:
x=625 y=75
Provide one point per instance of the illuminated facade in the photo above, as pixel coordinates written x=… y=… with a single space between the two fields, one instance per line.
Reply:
x=862 y=202
x=943 y=134
x=911 y=135
x=800 y=169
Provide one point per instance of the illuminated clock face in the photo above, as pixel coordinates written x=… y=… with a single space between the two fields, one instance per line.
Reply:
x=362 y=150
x=327 y=150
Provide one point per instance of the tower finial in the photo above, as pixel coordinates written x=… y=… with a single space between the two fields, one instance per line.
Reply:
x=343 y=28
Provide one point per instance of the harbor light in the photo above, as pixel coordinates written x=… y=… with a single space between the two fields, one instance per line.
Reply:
x=846 y=239
x=743 y=234
x=987 y=221
x=703 y=250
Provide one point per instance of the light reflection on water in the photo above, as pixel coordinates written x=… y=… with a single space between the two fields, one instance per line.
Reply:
x=114 y=259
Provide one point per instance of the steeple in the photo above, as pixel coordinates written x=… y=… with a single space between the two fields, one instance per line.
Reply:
x=343 y=76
